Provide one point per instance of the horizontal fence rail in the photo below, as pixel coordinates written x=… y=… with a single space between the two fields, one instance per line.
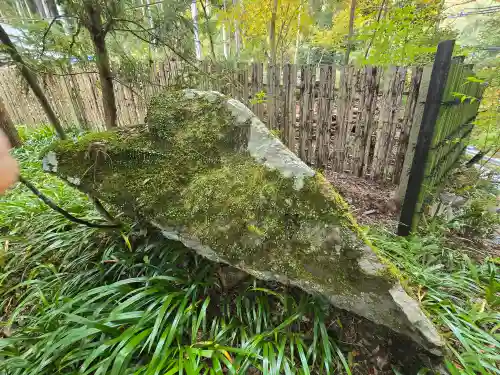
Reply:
x=341 y=119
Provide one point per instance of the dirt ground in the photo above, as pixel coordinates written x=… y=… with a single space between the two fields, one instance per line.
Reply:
x=372 y=202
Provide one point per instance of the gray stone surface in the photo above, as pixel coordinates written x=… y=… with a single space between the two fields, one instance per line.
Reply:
x=208 y=173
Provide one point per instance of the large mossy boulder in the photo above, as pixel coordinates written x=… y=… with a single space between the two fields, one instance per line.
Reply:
x=208 y=173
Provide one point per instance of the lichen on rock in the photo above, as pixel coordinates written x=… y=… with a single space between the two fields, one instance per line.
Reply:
x=208 y=173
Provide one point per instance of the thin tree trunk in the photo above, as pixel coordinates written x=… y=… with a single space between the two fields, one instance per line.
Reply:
x=379 y=15
x=31 y=7
x=297 y=40
x=197 y=43
x=51 y=5
x=46 y=9
x=8 y=127
x=106 y=79
x=19 y=10
x=272 y=33
x=68 y=30
x=98 y=36
x=146 y=11
x=225 y=41
x=206 y=13
x=149 y=15
x=237 y=40
x=26 y=6
x=351 y=32
x=33 y=82
x=40 y=9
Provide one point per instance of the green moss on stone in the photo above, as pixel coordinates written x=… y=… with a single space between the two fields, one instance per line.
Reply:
x=182 y=171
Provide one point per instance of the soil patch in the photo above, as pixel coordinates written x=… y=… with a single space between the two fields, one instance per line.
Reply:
x=372 y=202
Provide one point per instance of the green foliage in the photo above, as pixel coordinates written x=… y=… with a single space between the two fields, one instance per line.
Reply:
x=135 y=35
x=253 y=17
x=387 y=33
x=405 y=35
x=479 y=219
x=260 y=97
x=463 y=97
x=79 y=300
x=486 y=134
x=462 y=297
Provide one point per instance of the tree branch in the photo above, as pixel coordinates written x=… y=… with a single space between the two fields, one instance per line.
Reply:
x=128 y=86
x=133 y=32
x=379 y=15
x=74 y=36
x=47 y=33
x=63 y=212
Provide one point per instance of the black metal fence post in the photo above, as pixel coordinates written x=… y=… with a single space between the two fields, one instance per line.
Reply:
x=439 y=76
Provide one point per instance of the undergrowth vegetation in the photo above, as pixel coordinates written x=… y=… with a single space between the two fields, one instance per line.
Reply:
x=81 y=300
x=461 y=297
x=78 y=300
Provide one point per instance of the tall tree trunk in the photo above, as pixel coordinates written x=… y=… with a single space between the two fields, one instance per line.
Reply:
x=297 y=40
x=146 y=11
x=206 y=13
x=20 y=11
x=40 y=9
x=98 y=35
x=52 y=6
x=46 y=9
x=68 y=29
x=225 y=40
x=237 y=37
x=351 y=32
x=379 y=16
x=148 y=14
x=8 y=127
x=31 y=5
x=272 y=33
x=106 y=79
x=27 y=8
x=33 y=82
x=197 y=43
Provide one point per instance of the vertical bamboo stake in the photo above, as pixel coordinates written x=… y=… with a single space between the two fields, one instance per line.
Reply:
x=243 y=79
x=368 y=117
x=306 y=105
x=326 y=92
x=257 y=78
x=344 y=107
x=411 y=106
x=271 y=97
x=289 y=110
x=395 y=104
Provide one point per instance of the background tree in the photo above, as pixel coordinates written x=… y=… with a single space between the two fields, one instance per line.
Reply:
x=255 y=18
x=99 y=17
x=351 y=31
x=486 y=56
x=30 y=77
x=8 y=127
x=401 y=33
x=120 y=39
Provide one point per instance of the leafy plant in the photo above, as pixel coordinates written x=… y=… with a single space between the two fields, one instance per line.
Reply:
x=479 y=218
x=260 y=97
x=459 y=295
x=79 y=300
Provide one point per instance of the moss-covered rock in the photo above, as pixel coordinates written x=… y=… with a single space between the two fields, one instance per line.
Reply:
x=208 y=173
